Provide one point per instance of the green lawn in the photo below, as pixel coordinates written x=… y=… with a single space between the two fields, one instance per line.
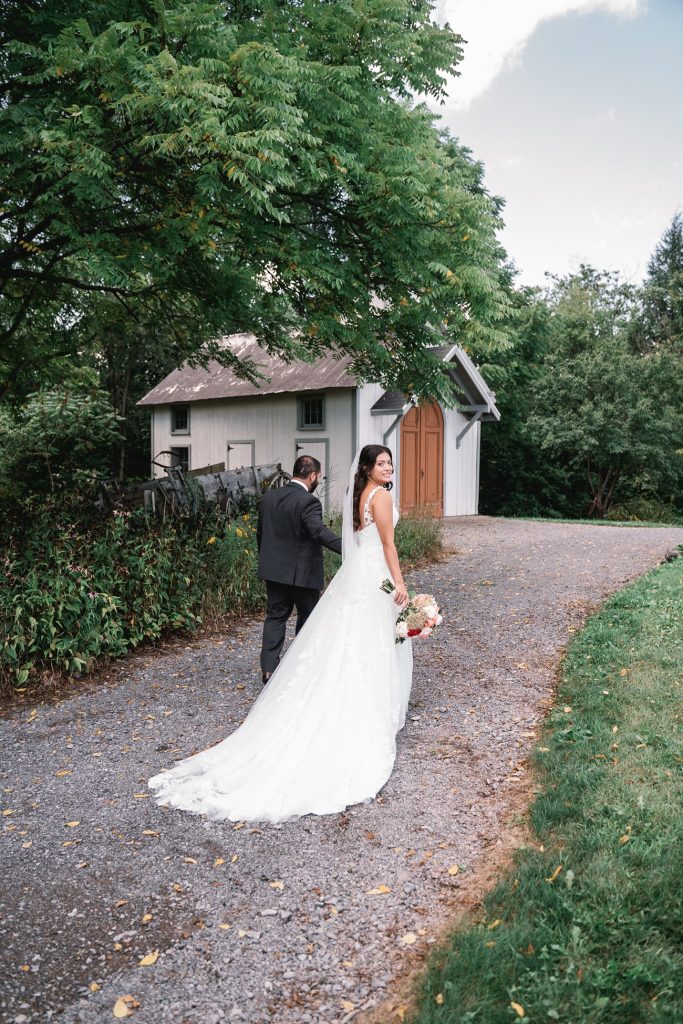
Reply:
x=591 y=916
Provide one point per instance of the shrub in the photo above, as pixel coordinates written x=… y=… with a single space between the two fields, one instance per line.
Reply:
x=74 y=593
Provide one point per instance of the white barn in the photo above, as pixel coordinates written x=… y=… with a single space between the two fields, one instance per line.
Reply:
x=204 y=417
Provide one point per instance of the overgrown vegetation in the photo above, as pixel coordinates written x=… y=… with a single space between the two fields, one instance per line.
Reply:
x=74 y=593
x=591 y=397
x=588 y=927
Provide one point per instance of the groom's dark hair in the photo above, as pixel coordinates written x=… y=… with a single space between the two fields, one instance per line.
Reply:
x=304 y=466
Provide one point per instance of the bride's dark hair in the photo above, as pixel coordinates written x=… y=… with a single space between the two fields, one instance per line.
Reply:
x=366 y=461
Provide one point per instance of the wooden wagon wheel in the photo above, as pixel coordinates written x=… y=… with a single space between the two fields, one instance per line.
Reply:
x=279 y=480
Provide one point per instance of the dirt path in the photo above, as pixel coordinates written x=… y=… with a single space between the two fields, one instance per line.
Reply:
x=278 y=923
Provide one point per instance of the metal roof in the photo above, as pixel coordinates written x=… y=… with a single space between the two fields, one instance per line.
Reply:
x=196 y=384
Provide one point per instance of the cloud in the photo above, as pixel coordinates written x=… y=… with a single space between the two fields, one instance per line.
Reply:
x=497 y=31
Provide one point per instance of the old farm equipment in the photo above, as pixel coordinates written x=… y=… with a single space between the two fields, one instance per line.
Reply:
x=180 y=490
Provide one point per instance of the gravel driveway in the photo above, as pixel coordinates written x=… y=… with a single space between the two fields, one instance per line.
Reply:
x=281 y=923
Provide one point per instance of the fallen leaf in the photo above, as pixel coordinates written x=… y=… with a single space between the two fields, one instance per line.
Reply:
x=63 y=772
x=439 y=999
x=24 y=967
x=190 y=860
x=401 y=1011
x=225 y=927
x=567 y=710
x=218 y=860
x=277 y=884
x=149 y=832
x=234 y=858
x=124 y=1006
x=146 y=918
x=238 y=826
x=409 y=938
x=176 y=887
x=120 y=903
x=494 y=924
x=519 y=1010
x=94 y=987
x=453 y=869
x=71 y=824
x=347 y=963
x=555 y=874
x=624 y=839
x=150 y=959
x=8 y=811
x=489 y=945
x=347 y=1005
x=27 y=844
x=544 y=750
x=380 y=890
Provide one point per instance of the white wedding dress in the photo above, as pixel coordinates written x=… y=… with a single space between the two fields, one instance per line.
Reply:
x=322 y=734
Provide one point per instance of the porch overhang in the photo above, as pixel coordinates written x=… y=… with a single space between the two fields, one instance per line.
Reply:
x=473 y=396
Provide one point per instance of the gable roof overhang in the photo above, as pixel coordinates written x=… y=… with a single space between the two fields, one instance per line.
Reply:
x=474 y=398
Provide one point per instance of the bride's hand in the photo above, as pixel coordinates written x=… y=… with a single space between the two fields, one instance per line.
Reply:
x=401 y=595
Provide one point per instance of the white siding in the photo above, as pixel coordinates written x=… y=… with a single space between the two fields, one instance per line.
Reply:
x=370 y=429
x=270 y=421
x=461 y=466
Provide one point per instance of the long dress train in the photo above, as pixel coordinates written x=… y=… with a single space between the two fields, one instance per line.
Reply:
x=322 y=734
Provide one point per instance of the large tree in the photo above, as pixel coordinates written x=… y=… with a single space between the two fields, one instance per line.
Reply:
x=661 y=322
x=218 y=167
x=597 y=408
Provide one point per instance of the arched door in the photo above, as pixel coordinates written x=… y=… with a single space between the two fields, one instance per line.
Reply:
x=422 y=460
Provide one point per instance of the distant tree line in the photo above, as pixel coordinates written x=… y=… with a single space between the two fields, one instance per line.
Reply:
x=591 y=396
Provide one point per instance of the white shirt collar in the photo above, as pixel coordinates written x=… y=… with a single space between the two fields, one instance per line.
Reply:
x=299 y=482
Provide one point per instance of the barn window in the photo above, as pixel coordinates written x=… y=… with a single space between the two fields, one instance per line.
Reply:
x=312 y=412
x=180 y=459
x=180 y=419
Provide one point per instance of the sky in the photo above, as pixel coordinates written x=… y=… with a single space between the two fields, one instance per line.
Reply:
x=575 y=108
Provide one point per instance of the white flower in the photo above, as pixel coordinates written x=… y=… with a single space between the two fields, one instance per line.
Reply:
x=430 y=611
x=439 y=619
x=402 y=629
x=426 y=631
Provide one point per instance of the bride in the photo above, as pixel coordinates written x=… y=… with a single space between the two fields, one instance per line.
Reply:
x=322 y=734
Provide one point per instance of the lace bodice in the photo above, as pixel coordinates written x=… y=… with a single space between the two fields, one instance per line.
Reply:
x=368 y=517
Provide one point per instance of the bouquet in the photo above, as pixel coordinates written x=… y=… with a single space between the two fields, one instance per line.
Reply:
x=418 y=618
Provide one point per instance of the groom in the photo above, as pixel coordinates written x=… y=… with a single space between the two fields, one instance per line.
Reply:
x=289 y=534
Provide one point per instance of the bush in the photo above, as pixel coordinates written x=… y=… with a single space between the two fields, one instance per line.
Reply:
x=644 y=510
x=74 y=593
x=59 y=440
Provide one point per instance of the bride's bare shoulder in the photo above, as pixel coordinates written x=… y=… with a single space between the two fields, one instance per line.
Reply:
x=381 y=499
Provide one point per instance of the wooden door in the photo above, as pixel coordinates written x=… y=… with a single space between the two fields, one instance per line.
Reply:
x=422 y=460
x=240 y=454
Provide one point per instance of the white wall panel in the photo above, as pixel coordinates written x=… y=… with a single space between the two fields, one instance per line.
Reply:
x=270 y=421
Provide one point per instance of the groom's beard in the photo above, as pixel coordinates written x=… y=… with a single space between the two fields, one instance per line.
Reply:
x=312 y=487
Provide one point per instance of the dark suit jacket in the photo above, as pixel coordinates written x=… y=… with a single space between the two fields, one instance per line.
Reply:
x=289 y=534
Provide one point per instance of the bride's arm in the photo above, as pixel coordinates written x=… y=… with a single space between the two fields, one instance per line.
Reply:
x=383 y=514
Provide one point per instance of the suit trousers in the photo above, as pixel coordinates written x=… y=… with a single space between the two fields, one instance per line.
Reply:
x=281 y=600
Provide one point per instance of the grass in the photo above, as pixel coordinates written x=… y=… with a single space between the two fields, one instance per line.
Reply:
x=591 y=917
